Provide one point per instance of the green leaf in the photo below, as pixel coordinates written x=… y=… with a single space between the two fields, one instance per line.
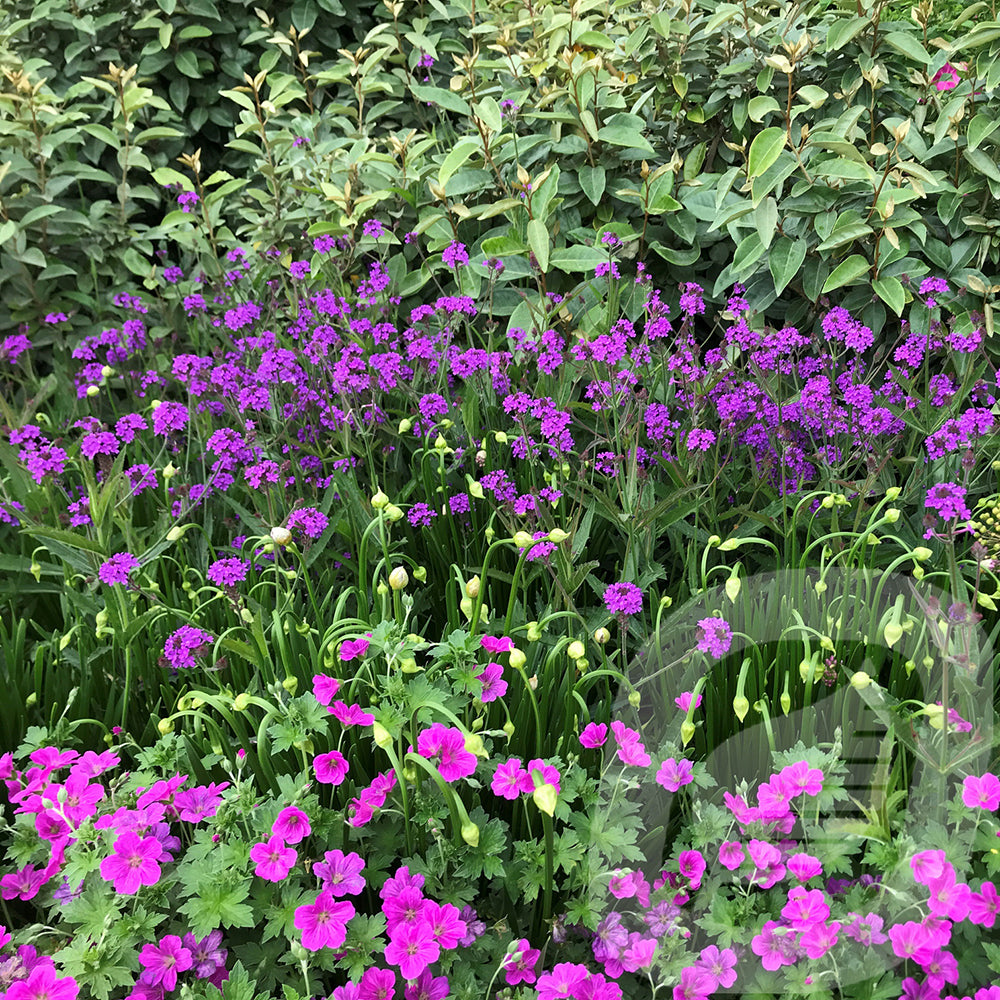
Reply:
x=979 y=128
x=623 y=135
x=981 y=162
x=846 y=272
x=748 y=252
x=813 y=96
x=167 y=175
x=489 y=111
x=538 y=240
x=101 y=132
x=785 y=260
x=594 y=40
x=577 y=259
x=890 y=291
x=456 y=159
x=842 y=31
x=441 y=97
x=905 y=43
x=593 y=181
x=187 y=62
x=7 y=230
x=760 y=106
x=766 y=220
x=765 y=150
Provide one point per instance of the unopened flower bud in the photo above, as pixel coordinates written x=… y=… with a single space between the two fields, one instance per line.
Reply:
x=602 y=636
x=381 y=735
x=176 y=533
x=508 y=729
x=169 y=471
x=635 y=699
x=36 y=571
x=860 y=680
x=381 y=589
x=928 y=662
x=299 y=953
x=408 y=665
x=892 y=493
x=820 y=587
x=687 y=731
x=393 y=513
x=440 y=444
x=470 y=833
x=420 y=574
x=93 y=390
x=522 y=539
x=786 y=702
x=165 y=726
x=741 y=706
x=714 y=540
x=290 y=684
x=827 y=501
x=472 y=587
x=31 y=699
x=893 y=632
x=892 y=514
x=476 y=489
x=399 y=578
x=517 y=659
x=922 y=553
x=241 y=702
x=500 y=437
x=107 y=371
x=558 y=536
x=380 y=500
x=247 y=615
x=534 y=632
x=280 y=536
x=545 y=798
x=575 y=650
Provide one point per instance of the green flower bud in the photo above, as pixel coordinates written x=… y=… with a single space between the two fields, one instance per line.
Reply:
x=893 y=632
x=740 y=706
x=517 y=659
x=290 y=684
x=892 y=514
x=575 y=650
x=534 y=632
x=500 y=437
x=892 y=493
x=508 y=728
x=558 y=536
x=602 y=636
x=420 y=574
x=522 y=539
x=241 y=702
x=380 y=500
x=472 y=587
x=687 y=731
x=399 y=578
x=280 y=536
x=860 y=680
x=393 y=513
x=381 y=589
x=545 y=797
x=470 y=833
x=405 y=426
x=381 y=735
x=165 y=726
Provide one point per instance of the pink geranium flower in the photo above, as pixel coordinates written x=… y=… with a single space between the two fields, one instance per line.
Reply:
x=292 y=825
x=445 y=747
x=274 y=860
x=134 y=863
x=162 y=962
x=330 y=768
x=43 y=984
x=324 y=923
x=519 y=964
x=594 y=735
x=981 y=793
x=412 y=948
x=946 y=78
x=501 y=644
x=673 y=774
x=341 y=873
x=510 y=778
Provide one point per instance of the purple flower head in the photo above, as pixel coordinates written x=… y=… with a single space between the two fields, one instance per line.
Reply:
x=714 y=637
x=948 y=499
x=187 y=200
x=117 y=568
x=228 y=572
x=623 y=599
x=185 y=644
x=455 y=255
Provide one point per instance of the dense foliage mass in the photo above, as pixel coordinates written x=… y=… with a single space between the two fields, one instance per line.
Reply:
x=499 y=501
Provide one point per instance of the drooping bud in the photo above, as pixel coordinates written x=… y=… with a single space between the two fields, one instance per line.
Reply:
x=575 y=650
x=399 y=578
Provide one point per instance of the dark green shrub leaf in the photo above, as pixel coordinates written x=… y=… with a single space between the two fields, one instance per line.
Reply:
x=593 y=181
x=891 y=292
x=846 y=272
x=785 y=260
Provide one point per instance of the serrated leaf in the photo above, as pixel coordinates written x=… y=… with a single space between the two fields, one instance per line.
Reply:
x=846 y=272
x=765 y=150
